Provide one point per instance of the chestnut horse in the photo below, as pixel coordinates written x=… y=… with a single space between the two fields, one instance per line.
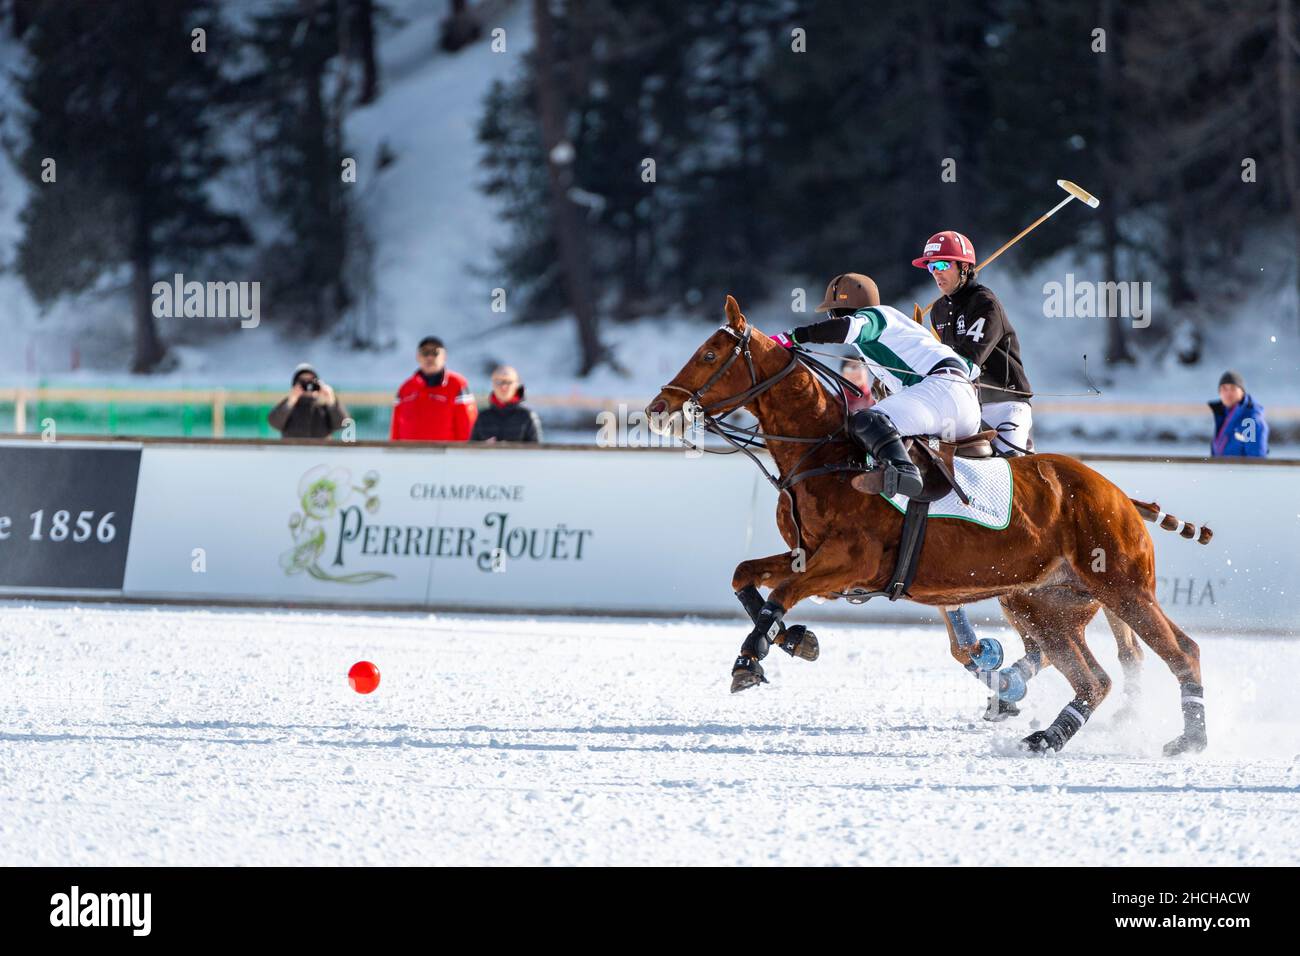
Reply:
x=1075 y=541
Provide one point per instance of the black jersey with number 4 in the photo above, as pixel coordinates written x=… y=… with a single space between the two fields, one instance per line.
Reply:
x=973 y=323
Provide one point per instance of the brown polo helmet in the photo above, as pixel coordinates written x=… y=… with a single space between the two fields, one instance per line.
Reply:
x=852 y=290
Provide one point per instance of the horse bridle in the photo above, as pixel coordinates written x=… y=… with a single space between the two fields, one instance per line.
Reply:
x=756 y=387
x=743 y=439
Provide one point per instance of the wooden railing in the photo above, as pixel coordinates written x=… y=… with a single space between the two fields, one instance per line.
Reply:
x=219 y=399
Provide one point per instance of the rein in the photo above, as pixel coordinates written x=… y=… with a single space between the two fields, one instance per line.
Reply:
x=743 y=439
x=1092 y=392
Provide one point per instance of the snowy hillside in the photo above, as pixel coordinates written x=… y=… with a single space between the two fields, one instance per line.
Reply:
x=435 y=233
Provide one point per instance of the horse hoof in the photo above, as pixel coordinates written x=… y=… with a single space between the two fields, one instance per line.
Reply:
x=1040 y=741
x=1184 y=744
x=801 y=643
x=999 y=710
x=746 y=673
x=989 y=657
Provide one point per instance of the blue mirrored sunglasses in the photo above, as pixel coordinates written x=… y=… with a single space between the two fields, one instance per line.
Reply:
x=939 y=265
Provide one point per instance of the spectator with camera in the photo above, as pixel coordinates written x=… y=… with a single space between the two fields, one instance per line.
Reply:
x=507 y=418
x=310 y=410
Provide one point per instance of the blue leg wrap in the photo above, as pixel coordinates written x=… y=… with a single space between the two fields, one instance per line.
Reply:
x=1011 y=685
x=990 y=656
x=1013 y=681
x=962 y=627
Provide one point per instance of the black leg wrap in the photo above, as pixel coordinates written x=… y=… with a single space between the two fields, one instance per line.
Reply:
x=767 y=626
x=747 y=671
x=796 y=640
x=1065 y=726
x=1193 y=736
x=751 y=601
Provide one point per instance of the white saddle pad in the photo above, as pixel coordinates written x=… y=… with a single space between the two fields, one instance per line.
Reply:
x=987 y=483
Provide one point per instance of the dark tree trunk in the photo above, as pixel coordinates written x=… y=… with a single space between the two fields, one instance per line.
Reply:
x=1176 y=260
x=1286 y=97
x=932 y=42
x=365 y=46
x=322 y=136
x=23 y=14
x=148 y=347
x=1117 y=349
x=747 y=272
x=459 y=28
x=570 y=237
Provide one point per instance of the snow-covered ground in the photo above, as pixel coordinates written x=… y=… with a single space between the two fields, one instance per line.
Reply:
x=197 y=736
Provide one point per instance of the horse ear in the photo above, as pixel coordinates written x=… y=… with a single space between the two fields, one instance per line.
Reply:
x=734 y=318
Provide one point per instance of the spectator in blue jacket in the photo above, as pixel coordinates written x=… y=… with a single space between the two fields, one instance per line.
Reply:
x=1239 y=426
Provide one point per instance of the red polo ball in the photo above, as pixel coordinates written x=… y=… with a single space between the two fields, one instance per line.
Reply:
x=364 y=677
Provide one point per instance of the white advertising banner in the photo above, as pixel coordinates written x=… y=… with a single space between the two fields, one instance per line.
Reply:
x=505 y=529
x=600 y=530
x=1246 y=578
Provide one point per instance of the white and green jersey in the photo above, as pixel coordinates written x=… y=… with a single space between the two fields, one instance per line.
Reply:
x=898 y=351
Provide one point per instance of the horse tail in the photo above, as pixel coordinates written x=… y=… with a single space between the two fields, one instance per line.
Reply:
x=1150 y=511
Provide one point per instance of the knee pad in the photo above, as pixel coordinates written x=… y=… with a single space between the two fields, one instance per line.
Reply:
x=872 y=426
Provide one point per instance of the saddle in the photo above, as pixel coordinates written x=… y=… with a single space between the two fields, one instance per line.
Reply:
x=934 y=458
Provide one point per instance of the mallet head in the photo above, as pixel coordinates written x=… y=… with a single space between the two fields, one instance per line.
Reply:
x=1079 y=193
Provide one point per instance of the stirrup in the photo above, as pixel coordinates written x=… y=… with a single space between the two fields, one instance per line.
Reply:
x=884 y=480
x=894 y=479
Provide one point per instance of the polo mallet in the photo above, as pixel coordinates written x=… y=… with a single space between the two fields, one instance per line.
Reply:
x=1075 y=192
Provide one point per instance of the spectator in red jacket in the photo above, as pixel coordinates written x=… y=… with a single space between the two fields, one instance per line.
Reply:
x=434 y=404
x=857 y=372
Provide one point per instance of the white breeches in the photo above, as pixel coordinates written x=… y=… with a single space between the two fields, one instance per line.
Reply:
x=943 y=405
x=1013 y=421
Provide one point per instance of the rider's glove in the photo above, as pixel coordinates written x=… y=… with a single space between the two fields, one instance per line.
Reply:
x=785 y=340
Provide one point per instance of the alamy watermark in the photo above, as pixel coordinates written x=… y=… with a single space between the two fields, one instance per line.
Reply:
x=208 y=300
x=75 y=908
x=636 y=428
x=1095 y=300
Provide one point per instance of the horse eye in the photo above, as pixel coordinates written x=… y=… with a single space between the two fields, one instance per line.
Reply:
x=709 y=356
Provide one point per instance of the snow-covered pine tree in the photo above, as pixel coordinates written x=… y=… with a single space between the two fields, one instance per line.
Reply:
x=1206 y=93
x=117 y=98
x=298 y=143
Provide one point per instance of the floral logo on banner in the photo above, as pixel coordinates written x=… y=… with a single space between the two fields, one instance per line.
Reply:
x=322 y=493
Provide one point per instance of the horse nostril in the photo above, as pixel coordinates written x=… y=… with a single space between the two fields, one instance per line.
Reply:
x=656 y=407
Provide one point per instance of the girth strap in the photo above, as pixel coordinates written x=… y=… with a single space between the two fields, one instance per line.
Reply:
x=909 y=548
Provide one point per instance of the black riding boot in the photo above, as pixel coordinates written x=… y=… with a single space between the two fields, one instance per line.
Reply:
x=878 y=435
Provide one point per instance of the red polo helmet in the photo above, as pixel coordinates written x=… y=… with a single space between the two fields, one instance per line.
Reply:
x=949 y=245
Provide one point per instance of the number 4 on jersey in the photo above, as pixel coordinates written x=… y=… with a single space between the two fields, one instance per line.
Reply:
x=976 y=330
